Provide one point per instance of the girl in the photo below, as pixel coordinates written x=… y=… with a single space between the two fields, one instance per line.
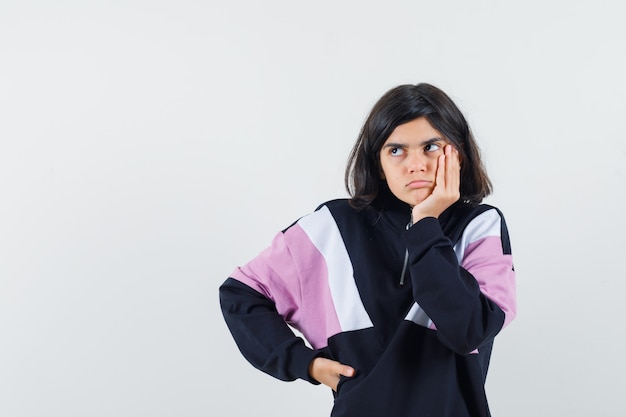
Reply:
x=400 y=289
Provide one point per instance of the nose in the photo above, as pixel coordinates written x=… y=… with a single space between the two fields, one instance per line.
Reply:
x=416 y=162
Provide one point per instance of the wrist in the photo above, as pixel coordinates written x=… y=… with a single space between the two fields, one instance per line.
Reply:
x=416 y=216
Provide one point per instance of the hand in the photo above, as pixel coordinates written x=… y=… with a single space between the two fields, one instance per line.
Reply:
x=327 y=371
x=447 y=186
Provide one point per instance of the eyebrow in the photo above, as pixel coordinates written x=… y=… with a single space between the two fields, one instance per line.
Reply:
x=401 y=145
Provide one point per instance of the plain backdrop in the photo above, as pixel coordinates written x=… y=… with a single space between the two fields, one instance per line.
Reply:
x=147 y=148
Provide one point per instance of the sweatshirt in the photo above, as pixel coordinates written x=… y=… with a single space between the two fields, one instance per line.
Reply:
x=413 y=308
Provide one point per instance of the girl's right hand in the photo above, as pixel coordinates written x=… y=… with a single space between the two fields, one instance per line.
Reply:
x=328 y=371
x=447 y=186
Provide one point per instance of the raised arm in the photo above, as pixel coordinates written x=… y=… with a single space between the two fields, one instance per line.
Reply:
x=469 y=294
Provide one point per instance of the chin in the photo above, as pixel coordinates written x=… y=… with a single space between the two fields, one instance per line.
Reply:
x=416 y=201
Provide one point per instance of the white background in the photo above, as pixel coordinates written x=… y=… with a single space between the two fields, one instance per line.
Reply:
x=147 y=148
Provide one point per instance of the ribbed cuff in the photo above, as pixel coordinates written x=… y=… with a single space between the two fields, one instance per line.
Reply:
x=301 y=357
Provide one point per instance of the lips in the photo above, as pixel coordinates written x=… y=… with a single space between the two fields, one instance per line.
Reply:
x=419 y=184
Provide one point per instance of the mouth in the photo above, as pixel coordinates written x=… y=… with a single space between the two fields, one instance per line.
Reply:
x=419 y=184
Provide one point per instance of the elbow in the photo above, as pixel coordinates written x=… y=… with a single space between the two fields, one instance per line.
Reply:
x=462 y=346
x=468 y=337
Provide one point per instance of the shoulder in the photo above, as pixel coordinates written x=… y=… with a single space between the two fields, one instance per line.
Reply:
x=479 y=223
x=338 y=204
x=325 y=213
x=339 y=209
x=463 y=218
x=465 y=212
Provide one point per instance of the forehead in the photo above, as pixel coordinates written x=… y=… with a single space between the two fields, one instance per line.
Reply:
x=416 y=130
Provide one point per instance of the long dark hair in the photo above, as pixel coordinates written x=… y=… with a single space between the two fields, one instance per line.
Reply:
x=401 y=105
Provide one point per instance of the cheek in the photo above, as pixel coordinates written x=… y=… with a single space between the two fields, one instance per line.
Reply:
x=431 y=162
x=385 y=169
x=395 y=183
x=434 y=158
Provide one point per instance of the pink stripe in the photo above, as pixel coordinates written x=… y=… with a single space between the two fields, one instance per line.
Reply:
x=319 y=317
x=300 y=292
x=493 y=270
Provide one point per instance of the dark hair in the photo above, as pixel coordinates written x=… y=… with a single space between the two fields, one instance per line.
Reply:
x=401 y=105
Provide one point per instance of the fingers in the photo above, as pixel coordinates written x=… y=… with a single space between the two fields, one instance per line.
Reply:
x=340 y=369
x=328 y=371
x=441 y=170
x=447 y=168
x=452 y=170
x=447 y=186
x=346 y=371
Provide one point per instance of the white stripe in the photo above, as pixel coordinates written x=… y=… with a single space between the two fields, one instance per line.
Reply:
x=418 y=316
x=321 y=228
x=483 y=225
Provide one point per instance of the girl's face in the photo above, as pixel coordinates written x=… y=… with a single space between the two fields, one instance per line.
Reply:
x=408 y=159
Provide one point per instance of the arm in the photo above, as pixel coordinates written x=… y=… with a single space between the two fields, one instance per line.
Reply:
x=262 y=335
x=467 y=303
x=257 y=302
x=263 y=296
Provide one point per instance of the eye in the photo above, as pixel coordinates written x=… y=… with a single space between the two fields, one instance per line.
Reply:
x=432 y=147
x=396 y=151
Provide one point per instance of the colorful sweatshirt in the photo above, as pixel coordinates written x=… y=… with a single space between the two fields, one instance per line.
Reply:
x=413 y=308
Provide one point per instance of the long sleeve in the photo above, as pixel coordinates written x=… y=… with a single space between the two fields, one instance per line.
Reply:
x=469 y=294
x=262 y=335
x=262 y=299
